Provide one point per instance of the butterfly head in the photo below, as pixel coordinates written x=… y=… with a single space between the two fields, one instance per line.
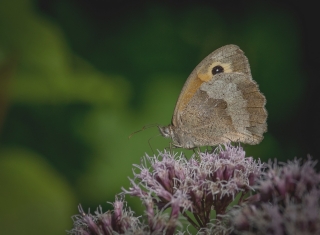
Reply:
x=179 y=139
x=166 y=131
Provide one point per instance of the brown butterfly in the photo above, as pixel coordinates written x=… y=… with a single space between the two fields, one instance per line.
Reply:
x=218 y=103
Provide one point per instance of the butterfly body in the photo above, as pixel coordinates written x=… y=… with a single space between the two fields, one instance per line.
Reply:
x=219 y=103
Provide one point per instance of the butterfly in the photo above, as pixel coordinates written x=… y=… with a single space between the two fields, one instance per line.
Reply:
x=219 y=103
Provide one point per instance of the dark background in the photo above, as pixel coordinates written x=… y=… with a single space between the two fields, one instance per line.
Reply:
x=78 y=77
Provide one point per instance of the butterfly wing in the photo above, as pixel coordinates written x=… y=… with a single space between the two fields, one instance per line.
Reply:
x=228 y=106
x=231 y=57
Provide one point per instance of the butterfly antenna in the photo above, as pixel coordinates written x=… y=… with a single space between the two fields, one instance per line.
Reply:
x=143 y=128
x=150 y=143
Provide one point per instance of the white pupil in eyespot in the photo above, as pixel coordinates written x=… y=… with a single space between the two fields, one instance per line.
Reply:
x=217 y=69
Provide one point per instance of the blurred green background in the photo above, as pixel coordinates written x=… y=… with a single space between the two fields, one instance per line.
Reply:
x=78 y=77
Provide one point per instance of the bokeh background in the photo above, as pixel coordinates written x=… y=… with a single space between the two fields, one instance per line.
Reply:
x=77 y=77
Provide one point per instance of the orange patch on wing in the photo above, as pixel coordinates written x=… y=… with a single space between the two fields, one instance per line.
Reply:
x=192 y=88
x=204 y=77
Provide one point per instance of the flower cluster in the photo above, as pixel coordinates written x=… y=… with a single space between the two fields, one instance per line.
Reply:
x=287 y=202
x=200 y=190
x=121 y=221
x=196 y=188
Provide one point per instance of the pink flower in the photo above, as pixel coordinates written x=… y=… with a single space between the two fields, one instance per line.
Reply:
x=287 y=202
x=205 y=184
